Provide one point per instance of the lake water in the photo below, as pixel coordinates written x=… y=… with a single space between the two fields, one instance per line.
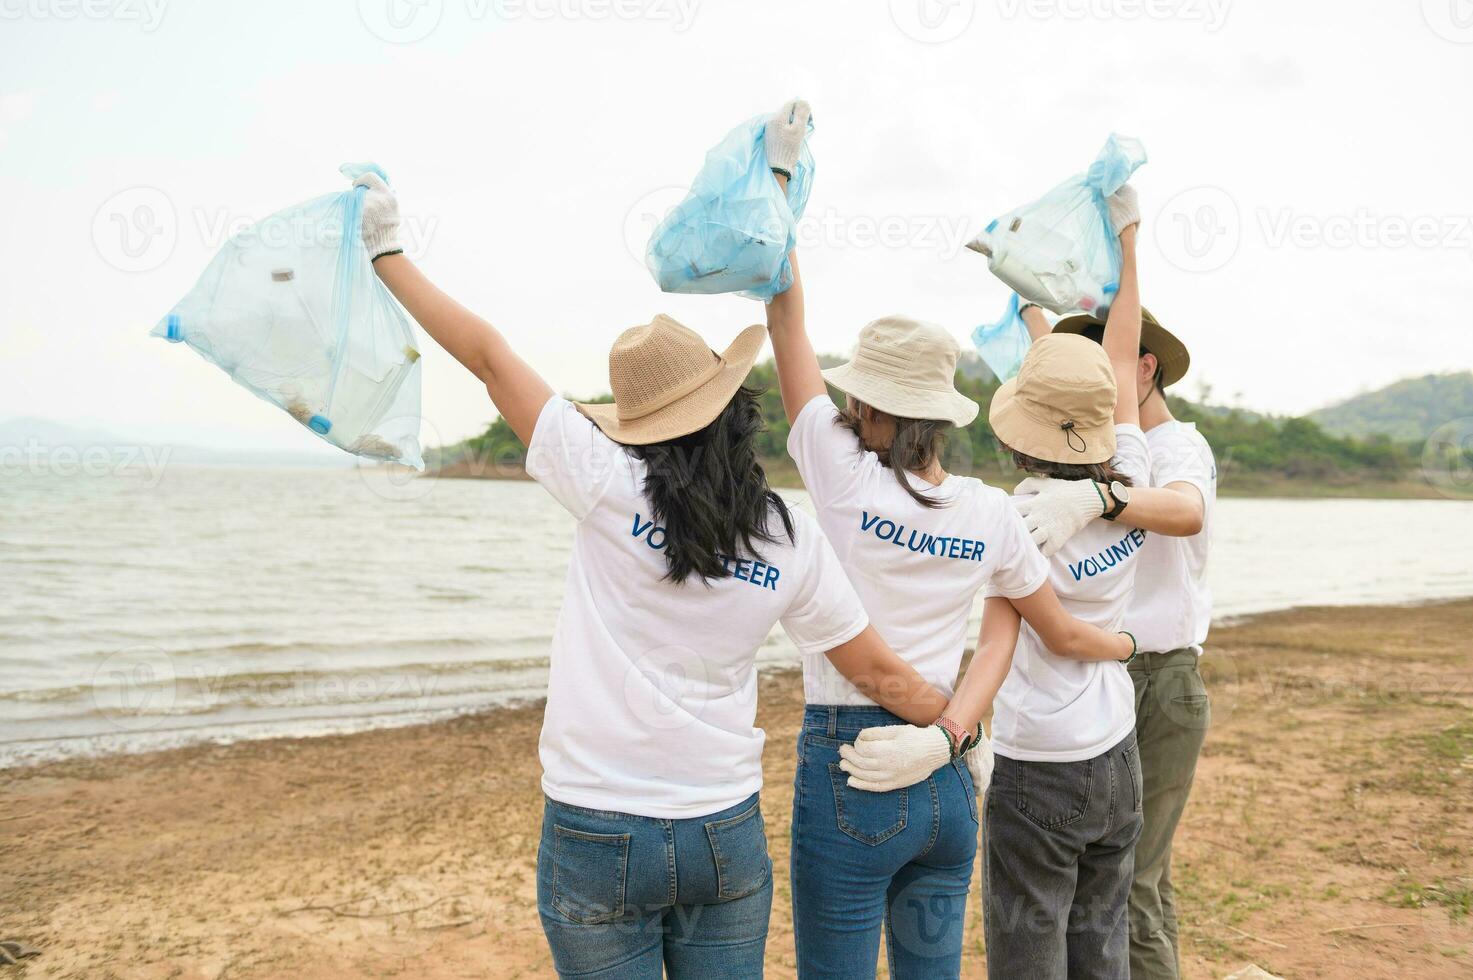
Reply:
x=144 y=610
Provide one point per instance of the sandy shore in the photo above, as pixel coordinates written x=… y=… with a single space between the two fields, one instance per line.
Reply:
x=1330 y=833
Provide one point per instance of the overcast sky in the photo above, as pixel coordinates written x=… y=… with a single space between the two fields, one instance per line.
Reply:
x=1308 y=211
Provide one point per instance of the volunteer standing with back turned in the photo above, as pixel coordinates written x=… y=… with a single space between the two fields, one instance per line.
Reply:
x=1170 y=613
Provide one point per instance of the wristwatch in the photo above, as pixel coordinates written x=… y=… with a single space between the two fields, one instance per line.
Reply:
x=956 y=736
x=1120 y=495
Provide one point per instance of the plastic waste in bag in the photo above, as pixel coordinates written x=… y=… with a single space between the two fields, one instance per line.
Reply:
x=291 y=309
x=735 y=228
x=1059 y=251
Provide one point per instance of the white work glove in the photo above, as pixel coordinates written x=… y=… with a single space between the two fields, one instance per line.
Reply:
x=785 y=133
x=890 y=757
x=1058 y=509
x=979 y=763
x=380 y=216
x=1125 y=209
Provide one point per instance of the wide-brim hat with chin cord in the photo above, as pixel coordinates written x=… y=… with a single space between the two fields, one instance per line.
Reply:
x=1170 y=353
x=667 y=382
x=1061 y=406
x=906 y=368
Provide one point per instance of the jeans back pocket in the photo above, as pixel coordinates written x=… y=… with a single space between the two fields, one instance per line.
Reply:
x=739 y=847
x=870 y=818
x=588 y=875
x=1054 y=794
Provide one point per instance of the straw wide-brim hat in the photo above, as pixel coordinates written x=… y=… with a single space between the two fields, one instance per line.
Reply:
x=906 y=368
x=667 y=382
x=1061 y=406
x=1170 y=352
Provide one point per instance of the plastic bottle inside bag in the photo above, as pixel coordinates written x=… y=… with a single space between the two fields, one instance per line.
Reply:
x=1040 y=265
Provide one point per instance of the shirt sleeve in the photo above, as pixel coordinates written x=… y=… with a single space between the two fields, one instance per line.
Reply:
x=829 y=458
x=1132 y=454
x=1021 y=569
x=570 y=457
x=1184 y=457
x=825 y=610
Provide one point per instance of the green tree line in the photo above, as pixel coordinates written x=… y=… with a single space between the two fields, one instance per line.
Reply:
x=1251 y=449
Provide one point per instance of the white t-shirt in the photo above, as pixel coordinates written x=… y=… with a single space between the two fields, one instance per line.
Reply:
x=1172 y=607
x=1051 y=708
x=917 y=569
x=653 y=686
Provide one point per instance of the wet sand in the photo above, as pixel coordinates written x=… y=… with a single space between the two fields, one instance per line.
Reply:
x=1330 y=833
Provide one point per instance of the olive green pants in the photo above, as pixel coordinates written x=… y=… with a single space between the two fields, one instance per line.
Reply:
x=1171 y=717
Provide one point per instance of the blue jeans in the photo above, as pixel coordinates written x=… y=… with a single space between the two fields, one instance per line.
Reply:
x=901 y=859
x=628 y=896
x=1058 y=863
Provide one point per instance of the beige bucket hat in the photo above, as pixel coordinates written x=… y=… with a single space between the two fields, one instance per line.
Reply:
x=668 y=383
x=1061 y=406
x=906 y=368
x=1170 y=352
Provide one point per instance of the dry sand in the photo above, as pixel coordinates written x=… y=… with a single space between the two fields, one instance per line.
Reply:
x=1330 y=833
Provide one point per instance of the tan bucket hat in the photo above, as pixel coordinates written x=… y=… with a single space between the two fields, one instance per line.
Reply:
x=1170 y=353
x=906 y=368
x=668 y=383
x=1061 y=406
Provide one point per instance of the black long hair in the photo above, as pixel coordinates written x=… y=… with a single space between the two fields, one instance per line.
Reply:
x=918 y=443
x=711 y=495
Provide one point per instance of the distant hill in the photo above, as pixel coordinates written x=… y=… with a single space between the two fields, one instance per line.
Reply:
x=1407 y=411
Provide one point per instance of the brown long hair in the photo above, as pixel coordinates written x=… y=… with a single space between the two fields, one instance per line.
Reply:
x=1098 y=472
x=918 y=443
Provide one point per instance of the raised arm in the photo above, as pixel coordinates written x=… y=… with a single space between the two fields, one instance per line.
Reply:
x=1122 y=341
x=1034 y=320
x=798 y=374
x=518 y=391
x=870 y=665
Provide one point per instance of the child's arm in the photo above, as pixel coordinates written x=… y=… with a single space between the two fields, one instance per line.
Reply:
x=518 y=391
x=798 y=375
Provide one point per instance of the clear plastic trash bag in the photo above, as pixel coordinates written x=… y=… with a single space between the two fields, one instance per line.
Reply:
x=1058 y=252
x=733 y=232
x=291 y=309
